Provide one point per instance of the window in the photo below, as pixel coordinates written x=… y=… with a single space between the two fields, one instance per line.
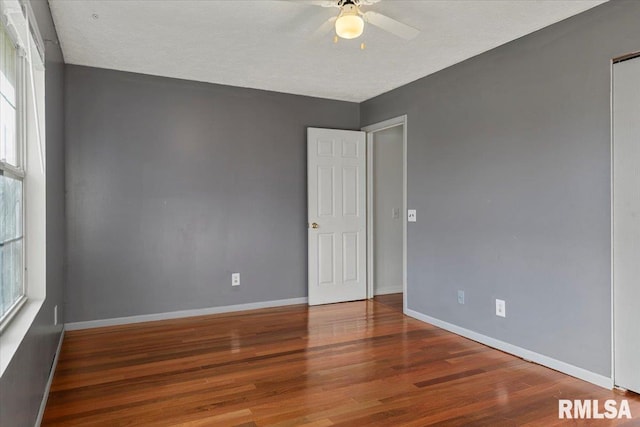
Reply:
x=12 y=174
x=23 y=223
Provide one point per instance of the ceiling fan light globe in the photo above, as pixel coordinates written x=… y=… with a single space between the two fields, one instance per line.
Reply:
x=349 y=26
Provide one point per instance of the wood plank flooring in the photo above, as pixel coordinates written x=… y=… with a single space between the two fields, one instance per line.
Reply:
x=392 y=301
x=352 y=364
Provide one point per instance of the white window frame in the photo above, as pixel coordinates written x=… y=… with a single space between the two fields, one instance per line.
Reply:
x=17 y=15
x=18 y=171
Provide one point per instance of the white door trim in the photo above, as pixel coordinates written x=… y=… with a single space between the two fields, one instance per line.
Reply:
x=370 y=130
x=611 y=201
x=614 y=199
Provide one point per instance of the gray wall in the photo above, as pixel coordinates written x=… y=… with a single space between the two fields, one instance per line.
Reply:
x=509 y=170
x=173 y=185
x=22 y=384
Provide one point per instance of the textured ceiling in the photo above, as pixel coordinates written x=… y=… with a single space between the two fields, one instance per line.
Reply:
x=267 y=44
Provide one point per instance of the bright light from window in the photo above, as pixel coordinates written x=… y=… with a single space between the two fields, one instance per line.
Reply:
x=12 y=287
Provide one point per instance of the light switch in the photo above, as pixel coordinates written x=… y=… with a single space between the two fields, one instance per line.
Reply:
x=395 y=213
x=501 y=308
x=411 y=215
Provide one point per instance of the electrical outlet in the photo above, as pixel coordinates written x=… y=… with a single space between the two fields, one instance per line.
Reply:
x=235 y=279
x=411 y=215
x=501 y=309
x=460 y=297
x=55 y=315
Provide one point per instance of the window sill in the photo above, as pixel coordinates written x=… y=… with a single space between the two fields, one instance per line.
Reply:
x=14 y=333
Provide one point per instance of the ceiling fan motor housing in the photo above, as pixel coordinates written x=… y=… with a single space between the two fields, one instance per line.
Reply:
x=350 y=9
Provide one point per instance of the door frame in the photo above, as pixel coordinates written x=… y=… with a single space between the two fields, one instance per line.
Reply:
x=371 y=130
x=612 y=147
x=611 y=202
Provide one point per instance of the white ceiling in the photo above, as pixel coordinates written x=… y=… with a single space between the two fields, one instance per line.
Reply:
x=266 y=44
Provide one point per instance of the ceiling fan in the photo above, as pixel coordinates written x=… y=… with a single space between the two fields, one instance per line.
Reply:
x=350 y=22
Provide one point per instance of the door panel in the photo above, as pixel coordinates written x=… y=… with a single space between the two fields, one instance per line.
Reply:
x=326 y=194
x=350 y=257
x=336 y=203
x=326 y=259
x=350 y=191
x=626 y=223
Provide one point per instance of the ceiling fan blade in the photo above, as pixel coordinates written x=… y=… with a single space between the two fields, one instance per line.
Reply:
x=325 y=28
x=323 y=3
x=391 y=25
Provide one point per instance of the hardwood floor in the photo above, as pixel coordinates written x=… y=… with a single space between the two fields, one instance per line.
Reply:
x=393 y=301
x=352 y=364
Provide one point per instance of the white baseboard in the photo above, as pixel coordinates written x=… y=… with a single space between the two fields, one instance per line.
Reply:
x=45 y=396
x=540 y=359
x=386 y=290
x=183 y=313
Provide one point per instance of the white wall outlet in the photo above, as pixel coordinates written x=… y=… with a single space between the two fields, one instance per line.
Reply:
x=235 y=279
x=411 y=215
x=460 y=297
x=501 y=309
x=55 y=315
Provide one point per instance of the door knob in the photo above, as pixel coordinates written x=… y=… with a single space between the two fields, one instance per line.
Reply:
x=314 y=225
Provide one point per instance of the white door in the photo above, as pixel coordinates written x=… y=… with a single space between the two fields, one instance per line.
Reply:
x=626 y=223
x=336 y=207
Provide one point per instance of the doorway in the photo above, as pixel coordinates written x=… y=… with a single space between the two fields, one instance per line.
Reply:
x=386 y=208
x=357 y=220
x=626 y=222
